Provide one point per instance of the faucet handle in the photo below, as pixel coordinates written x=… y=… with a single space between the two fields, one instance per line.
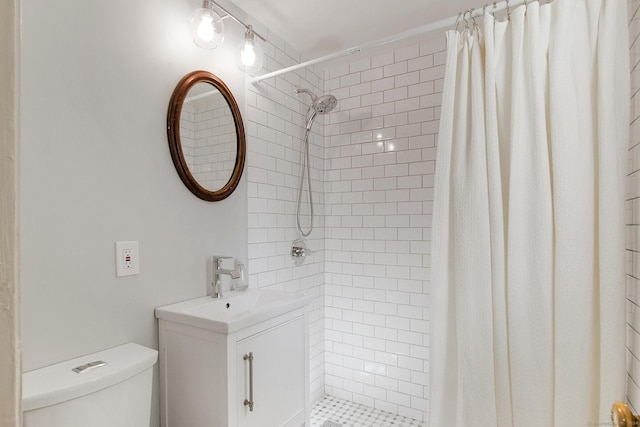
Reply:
x=241 y=283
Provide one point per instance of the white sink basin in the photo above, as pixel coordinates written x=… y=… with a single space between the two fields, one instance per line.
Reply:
x=237 y=310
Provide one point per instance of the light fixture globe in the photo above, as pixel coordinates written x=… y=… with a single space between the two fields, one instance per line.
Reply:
x=206 y=27
x=251 y=53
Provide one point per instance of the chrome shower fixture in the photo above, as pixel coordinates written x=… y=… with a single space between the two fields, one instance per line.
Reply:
x=300 y=90
x=299 y=252
x=325 y=104
x=321 y=105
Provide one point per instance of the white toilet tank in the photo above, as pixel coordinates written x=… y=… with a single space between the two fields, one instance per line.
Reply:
x=111 y=389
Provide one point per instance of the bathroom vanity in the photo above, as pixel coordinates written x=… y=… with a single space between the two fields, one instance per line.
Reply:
x=239 y=361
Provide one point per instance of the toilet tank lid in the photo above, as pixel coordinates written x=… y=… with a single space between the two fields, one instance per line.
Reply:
x=58 y=383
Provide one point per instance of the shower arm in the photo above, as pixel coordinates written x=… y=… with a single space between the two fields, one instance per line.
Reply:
x=299 y=90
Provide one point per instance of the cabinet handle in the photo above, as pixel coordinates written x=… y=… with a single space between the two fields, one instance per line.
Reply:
x=249 y=402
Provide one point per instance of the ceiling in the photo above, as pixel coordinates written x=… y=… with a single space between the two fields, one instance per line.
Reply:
x=318 y=28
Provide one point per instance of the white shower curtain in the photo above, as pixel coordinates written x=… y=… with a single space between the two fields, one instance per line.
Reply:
x=528 y=314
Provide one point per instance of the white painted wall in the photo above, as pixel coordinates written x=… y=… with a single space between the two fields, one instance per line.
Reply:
x=10 y=362
x=96 y=169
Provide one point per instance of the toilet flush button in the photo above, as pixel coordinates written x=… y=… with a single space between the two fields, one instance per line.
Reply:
x=88 y=366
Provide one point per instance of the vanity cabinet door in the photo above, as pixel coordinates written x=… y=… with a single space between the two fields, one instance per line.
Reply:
x=278 y=376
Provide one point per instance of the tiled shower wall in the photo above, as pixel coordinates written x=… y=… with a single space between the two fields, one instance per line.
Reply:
x=379 y=170
x=372 y=169
x=633 y=214
x=275 y=122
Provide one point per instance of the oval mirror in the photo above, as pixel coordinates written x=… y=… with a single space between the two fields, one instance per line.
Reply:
x=206 y=136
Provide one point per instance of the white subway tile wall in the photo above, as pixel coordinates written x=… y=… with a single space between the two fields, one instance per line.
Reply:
x=275 y=122
x=379 y=170
x=633 y=214
x=372 y=169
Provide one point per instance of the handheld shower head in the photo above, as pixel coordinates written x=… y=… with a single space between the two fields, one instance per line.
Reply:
x=325 y=104
x=321 y=105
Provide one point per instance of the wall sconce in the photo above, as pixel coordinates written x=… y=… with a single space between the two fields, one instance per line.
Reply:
x=251 y=53
x=207 y=30
x=206 y=27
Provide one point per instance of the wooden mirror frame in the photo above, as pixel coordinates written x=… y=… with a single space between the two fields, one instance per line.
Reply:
x=175 y=145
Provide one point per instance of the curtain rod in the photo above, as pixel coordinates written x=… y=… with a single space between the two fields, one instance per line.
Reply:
x=433 y=26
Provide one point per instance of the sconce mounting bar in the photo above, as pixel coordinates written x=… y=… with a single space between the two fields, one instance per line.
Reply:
x=246 y=26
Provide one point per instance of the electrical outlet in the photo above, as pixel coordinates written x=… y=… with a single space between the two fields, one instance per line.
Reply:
x=127 y=259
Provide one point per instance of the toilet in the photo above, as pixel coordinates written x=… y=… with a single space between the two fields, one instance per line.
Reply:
x=105 y=389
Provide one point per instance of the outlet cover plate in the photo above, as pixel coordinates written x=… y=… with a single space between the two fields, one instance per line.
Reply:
x=127 y=259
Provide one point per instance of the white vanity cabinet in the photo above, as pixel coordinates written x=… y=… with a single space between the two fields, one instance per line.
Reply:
x=206 y=377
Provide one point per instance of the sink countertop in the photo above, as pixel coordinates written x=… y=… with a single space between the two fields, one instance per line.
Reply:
x=236 y=310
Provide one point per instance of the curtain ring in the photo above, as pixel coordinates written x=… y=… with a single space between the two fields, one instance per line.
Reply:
x=508 y=10
x=484 y=8
x=458 y=21
x=466 y=20
x=473 y=19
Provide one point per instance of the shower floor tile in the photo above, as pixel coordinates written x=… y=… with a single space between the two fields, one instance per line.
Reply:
x=334 y=412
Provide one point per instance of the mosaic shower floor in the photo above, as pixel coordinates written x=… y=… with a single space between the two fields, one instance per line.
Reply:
x=334 y=412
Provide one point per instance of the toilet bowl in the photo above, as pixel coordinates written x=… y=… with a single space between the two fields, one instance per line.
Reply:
x=105 y=389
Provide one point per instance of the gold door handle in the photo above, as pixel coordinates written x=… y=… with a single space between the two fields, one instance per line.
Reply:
x=621 y=416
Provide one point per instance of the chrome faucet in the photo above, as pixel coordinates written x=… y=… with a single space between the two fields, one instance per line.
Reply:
x=217 y=271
